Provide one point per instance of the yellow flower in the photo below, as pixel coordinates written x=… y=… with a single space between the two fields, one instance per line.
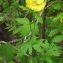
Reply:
x=36 y=5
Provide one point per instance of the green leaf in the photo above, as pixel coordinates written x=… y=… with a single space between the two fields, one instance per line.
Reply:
x=59 y=16
x=1 y=2
x=25 y=30
x=56 y=6
x=23 y=8
x=17 y=30
x=39 y=19
x=1 y=18
x=37 y=47
x=7 y=51
x=30 y=50
x=34 y=28
x=49 y=60
x=57 y=39
x=31 y=61
x=53 y=32
x=45 y=45
x=61 y=20
x=24 y=59
x=33 y=38
x=22 y=51
x=53 y=50
x=22 y=20
x=11 y=61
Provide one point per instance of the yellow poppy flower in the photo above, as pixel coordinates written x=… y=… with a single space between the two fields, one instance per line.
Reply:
x=36 y=5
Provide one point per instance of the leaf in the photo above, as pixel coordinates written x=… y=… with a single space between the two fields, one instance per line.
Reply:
x=55 y=19
x=7 y=51
x=57 y=39
x=45 y=45
x=22 y=51
x=22 y=20
x=1 y=2
x=17 y=30
x=31 y=61
x=30 y=50
x=53 y=32
x=23 y=8
x=40 y=41
x=37 y=48
x=11 y=61
x=34 y=28
x=39 y=19
x=24 y=59
x=33 y=38
x=61 y=20
x=1 y=18
x=25 y=30
x=59 y=16
x=56 y=6
x=53 y=50
x=49 y=60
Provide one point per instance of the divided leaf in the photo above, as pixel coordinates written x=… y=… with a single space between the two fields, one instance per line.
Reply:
x=54 y=50
x=17 y=30
x=7 y=51
x=22 y=20
x=25 y=30
x=37 y=48
x=22 y=51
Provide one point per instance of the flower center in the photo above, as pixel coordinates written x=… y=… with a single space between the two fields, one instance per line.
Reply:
x=36 y=2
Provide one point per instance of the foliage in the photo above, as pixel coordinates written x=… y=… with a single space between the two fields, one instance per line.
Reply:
x=7 y=51
x=25 y=24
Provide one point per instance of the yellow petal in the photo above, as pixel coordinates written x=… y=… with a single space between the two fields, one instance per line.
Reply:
x=36 y=5
x=39 y=1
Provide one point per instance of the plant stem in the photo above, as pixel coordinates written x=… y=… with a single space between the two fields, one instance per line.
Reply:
x=42 y=27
